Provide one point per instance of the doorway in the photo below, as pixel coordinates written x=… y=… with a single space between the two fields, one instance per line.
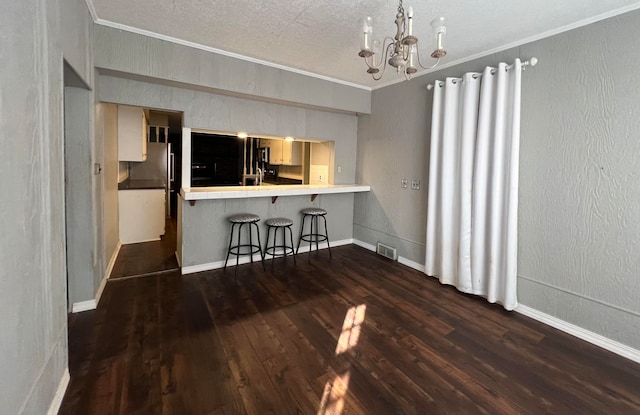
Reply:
x=137 y=180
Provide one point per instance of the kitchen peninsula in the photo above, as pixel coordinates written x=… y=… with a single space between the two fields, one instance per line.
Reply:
x=203 y=227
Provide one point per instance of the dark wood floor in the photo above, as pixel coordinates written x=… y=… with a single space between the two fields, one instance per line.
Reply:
x=148 y=257
x=204 y=344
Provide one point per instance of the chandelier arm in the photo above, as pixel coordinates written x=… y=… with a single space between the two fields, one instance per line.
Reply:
x=384 y=54
x=384 y=65
x=426 y=67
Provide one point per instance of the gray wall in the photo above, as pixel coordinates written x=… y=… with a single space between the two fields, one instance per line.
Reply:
x=135 y=56
x=81 y=250
x=37 y=35
x=579 y=205
x=108 y=128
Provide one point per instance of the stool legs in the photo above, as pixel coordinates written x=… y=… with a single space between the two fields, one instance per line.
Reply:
x=326 y=234
x=236 y=250
x=284 y=246
x=290 y=237
x=313 y=236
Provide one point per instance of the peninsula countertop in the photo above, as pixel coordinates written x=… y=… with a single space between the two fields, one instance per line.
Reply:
x=141 y=184
x=239 y=192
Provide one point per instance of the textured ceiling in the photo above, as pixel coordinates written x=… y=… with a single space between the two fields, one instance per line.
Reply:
x=322 y=36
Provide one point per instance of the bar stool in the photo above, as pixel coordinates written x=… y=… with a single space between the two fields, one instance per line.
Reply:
x=241 y=220
x=314 y=236
x=275 y=224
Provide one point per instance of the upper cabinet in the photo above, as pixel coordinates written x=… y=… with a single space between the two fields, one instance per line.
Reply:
x=275 y=150
x=132 y=134
x=292 y=153
x=288 y=153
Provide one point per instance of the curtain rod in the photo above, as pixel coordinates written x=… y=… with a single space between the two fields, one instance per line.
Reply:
x=531 y=62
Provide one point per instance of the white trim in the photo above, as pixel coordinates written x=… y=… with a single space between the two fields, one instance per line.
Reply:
x=178 y=259
x=584 y=334
x=411 y=264
x=107 y=272
x=112 y=261
x=245 y=259
x=364 y=245
x=191 y=269
x=142 y=240
x=92 y=10
x=548 y=33
x=402 y=260
x=84 y=306
x=54 y=407
x=195 y=45
x=100 y=289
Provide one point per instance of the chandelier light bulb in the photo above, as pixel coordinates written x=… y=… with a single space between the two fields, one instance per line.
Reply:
x=367 y=35
x=439 y=30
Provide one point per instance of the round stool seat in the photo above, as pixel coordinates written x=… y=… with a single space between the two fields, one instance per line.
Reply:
x=278 y=222
x=314 y=211
x=244 y=218
x=244 y=249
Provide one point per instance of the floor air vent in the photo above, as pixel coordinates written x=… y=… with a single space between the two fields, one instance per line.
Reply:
x=387 y=251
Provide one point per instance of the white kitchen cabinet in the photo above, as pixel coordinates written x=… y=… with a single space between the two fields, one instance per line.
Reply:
x=132 y=134
x=141 y=215
x=292 y=153
x=288 y=153
x=275 y=148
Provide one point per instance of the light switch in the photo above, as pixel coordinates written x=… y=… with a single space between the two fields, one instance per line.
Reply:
x=404 y=183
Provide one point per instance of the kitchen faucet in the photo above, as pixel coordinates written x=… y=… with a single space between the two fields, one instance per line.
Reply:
x=260 y=175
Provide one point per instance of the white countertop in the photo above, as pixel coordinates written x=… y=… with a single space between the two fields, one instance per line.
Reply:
x=239 y=192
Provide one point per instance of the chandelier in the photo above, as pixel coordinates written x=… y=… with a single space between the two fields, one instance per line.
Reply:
x=401 y=51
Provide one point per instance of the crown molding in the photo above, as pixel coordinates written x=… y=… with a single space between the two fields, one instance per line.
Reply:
x=548 y=33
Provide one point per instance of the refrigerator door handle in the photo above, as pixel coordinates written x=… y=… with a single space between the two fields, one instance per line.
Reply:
x=173 y=168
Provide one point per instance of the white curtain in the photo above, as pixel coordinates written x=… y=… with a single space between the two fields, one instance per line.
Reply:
x=472 y=211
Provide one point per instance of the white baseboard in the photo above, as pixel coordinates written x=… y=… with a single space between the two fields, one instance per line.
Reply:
x=54 y=407
x=581 y=333
x=364 y=245
x=101 y=288
x=191 y=269
x=245 y=259
x=84 y=306
x=411 y=264
x=402 y=260
x=112 y=262
x=92 y=304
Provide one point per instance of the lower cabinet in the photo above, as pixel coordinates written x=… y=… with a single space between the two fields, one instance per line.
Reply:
x=141 y=215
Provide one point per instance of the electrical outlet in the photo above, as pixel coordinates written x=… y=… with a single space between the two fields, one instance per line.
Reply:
x=339 y=169
x=404 y=183
x=320 y=179
x=415 y=184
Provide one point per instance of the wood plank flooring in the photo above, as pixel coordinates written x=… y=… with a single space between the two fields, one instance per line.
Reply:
x=266 y=344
